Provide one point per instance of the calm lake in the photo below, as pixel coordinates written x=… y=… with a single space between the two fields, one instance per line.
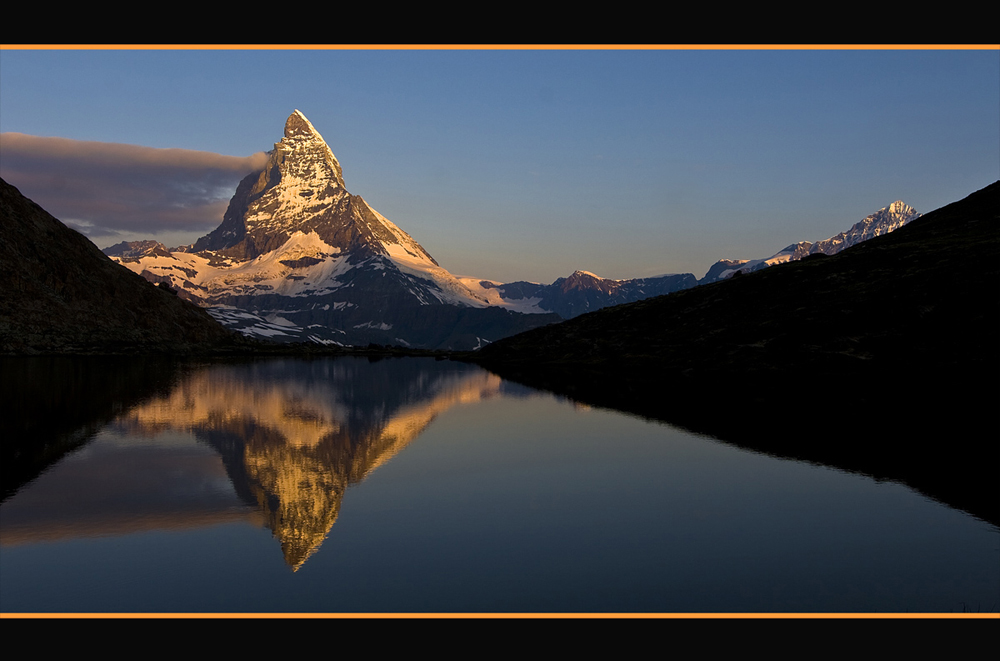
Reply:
x=415 y=485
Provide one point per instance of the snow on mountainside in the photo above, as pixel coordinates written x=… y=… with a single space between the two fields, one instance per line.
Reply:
x=881 y=222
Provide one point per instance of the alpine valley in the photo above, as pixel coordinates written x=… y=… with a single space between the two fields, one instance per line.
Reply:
x=299 y=258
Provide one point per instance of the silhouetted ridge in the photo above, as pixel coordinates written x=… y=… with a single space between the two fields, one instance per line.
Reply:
x=61 y=294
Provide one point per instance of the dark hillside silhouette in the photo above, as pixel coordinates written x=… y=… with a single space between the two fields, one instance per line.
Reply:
x=61 y=295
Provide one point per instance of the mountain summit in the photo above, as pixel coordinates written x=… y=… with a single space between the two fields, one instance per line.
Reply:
x=881 y=222
x=301 y=189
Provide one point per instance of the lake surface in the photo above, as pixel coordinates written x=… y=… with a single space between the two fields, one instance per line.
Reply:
x=415 y=485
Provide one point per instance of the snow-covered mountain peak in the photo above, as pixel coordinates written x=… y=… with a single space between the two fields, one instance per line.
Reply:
x=301 y=189
x=304 y=153
x=900 y=208
x=883 y=221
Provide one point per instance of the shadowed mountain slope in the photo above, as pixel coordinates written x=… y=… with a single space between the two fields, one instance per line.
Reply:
x=881 y=359
x=62 y=295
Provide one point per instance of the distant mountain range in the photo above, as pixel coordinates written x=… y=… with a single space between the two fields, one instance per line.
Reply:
x=299 y=258
x=892 y=297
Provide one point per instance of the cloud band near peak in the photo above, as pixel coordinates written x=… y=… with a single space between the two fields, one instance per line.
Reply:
x=111 y=188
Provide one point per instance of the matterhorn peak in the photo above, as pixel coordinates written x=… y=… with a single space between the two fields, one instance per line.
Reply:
x=300 y=189
x=308 y=152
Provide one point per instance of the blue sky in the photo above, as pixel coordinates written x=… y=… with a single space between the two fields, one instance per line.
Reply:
x=527 y=164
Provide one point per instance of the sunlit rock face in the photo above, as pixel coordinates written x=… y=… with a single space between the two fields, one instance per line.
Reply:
x=293 y=436
x=301 y=189
x=306 y=260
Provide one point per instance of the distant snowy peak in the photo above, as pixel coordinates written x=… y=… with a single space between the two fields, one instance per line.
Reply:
x=901 y=208
x=585 y=280
x=883 y=221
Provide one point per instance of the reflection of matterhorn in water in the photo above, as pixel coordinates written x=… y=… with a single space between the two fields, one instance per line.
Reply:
x=294 y=434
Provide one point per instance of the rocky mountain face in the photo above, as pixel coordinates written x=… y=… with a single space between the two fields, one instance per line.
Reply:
x=881 y=222
x=61 y=295
x=299 y=251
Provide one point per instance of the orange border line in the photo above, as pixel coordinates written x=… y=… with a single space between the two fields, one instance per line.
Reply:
x=881 y=616
x=499 y=46
x=504 y=47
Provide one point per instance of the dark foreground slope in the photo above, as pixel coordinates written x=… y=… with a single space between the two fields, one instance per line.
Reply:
x=882 y=359
x=60 y=294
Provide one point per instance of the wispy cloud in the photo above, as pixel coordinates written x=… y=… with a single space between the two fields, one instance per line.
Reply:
x=107 y=189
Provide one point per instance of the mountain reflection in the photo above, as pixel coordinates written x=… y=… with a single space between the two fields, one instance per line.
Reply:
x=293 y=435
